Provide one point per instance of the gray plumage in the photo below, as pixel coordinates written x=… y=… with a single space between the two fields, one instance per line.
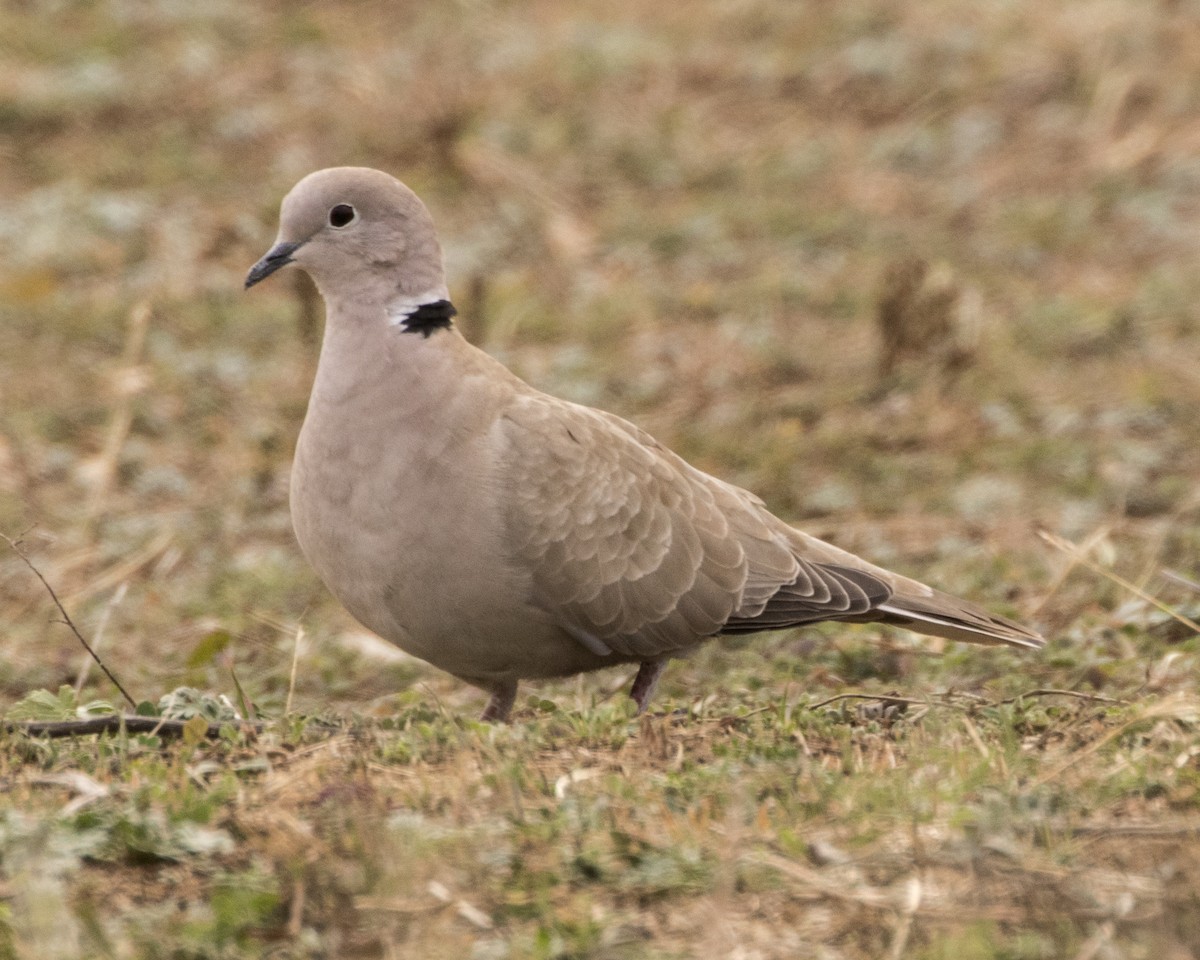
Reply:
x=503 y=534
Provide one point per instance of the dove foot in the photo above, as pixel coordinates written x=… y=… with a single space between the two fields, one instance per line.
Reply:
x=646 y=682
x=504 y=694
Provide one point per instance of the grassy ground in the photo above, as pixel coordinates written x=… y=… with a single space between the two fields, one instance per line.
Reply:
x=686 y=214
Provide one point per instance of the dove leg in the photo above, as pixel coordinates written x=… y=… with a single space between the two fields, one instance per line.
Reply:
x=646 y=682
x=504 y=693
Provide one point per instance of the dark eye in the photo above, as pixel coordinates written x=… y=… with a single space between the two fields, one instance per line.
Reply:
x=341 y=215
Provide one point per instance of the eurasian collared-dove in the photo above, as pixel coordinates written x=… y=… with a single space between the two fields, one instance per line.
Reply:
x=500 y=533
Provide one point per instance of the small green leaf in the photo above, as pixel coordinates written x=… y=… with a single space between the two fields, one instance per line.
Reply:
x=44 y=705
x=195 y=730
x=244 y=703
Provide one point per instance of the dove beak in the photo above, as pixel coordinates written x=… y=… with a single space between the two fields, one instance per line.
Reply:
x=278 y=256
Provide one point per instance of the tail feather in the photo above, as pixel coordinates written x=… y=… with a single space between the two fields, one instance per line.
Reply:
x=941 y=615
x=857 y=595
x=913 y=605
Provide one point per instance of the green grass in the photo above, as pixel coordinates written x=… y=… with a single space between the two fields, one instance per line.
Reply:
x=587 y=832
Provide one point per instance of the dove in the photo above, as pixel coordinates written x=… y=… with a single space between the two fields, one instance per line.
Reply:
x=503 y=534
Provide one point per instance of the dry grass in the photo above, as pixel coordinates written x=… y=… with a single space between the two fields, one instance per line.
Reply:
x=686 y=215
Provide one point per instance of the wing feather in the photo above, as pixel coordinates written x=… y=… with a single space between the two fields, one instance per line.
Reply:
x=630 y=545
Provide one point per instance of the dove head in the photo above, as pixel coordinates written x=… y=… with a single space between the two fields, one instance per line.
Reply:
x=360 y=234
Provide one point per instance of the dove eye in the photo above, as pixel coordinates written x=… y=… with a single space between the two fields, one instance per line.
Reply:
x=342 y=215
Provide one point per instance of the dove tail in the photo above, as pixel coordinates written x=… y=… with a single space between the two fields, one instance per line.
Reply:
x=943 y=616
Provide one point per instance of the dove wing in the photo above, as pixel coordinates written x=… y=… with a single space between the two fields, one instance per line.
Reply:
x=637 y=552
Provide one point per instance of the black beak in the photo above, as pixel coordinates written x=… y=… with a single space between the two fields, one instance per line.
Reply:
x=278 y=256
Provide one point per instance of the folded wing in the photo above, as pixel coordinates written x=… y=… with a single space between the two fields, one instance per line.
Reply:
x=638 y=553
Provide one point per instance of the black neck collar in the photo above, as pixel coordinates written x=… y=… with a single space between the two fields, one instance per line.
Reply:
x=428 y=317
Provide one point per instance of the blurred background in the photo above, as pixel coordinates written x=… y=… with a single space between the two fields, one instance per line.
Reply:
x=922 y=275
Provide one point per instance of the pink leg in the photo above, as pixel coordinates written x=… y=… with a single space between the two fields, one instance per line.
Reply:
x=499 y=707
x=646 y=682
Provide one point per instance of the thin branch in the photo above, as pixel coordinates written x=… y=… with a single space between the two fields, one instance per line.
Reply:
x=66 y=618
x=945 y=698
x=886 y=698
x=113 y=724
x=1050 y=692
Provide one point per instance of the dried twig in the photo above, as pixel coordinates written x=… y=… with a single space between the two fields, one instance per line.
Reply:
x=973 y=733
x=93 y=726
x=1176 y=577
x=105 y=615
x=1051 y=692
x=66 y=618
x=297 y=641
x=946 y=698
x=1078 y=555
x=884 y=697
x=1094 y=538
x=1175 y=706
x=121 y=571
